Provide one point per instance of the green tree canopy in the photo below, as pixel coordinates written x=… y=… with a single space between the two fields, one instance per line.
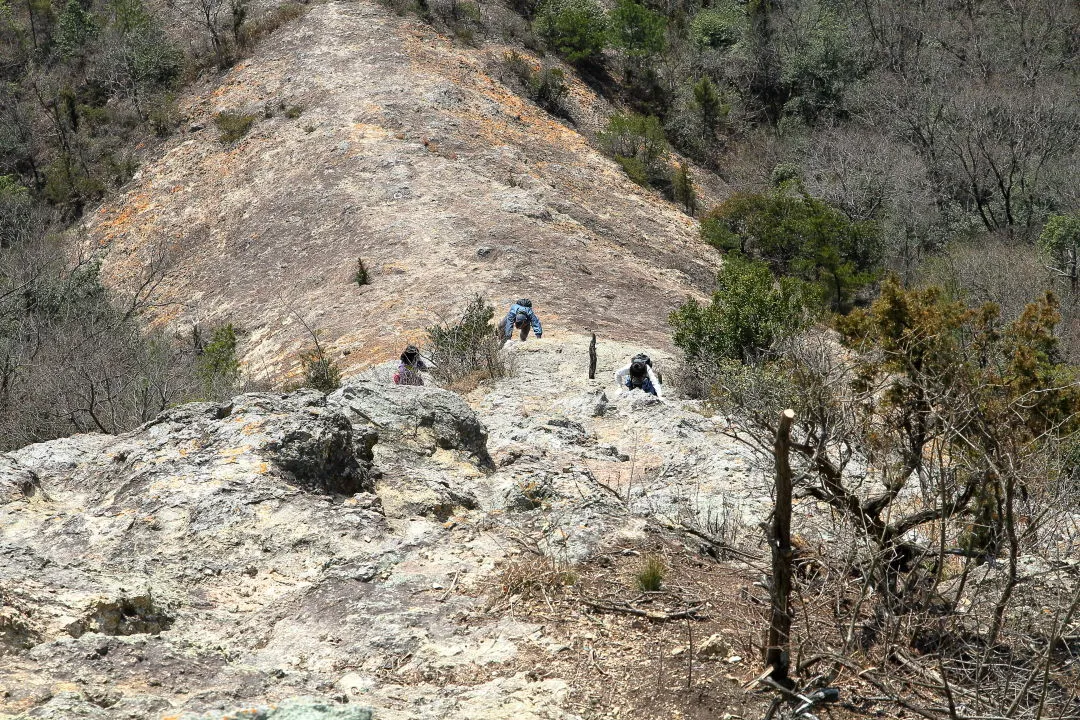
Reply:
x=576 y=29
x=636 y=29
x=798 y=236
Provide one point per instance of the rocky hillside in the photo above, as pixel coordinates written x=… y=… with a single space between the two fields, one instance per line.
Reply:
x=376 y=138
x=374 y=547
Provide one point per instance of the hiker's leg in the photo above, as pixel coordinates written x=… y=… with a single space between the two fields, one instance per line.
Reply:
x=525 y=331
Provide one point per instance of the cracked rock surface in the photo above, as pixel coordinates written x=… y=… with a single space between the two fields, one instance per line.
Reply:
x=341 y=547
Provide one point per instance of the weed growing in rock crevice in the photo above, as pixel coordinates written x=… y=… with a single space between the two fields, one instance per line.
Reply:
x=651 y=575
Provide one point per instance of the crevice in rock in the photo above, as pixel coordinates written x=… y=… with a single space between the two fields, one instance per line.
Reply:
x=133 y=615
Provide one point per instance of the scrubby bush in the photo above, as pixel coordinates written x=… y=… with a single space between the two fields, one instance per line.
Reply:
x=820 y=66
x=233 y=125
x=217 y=366
x=550 y=90
x=320 y=370
x=638 y=144
x=683 y=189
x=1060 y=241
x=546 y=86
x=718 y=27
x=749 y=312
x=468 y=349
x=576 y=29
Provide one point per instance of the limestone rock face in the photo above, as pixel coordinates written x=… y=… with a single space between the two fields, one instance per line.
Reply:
x=422 y=417
x=342 y=547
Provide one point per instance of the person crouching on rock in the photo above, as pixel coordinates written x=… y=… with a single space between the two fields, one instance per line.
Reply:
x=639 y=375
x=522 y=317
x=409 y=367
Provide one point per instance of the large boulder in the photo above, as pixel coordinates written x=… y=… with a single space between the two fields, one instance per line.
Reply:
x=306 y=442
x=421 y=418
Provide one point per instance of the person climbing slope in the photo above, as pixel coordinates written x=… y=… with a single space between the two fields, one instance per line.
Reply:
x=639 y=375
x=521 y=316
x=409 y=367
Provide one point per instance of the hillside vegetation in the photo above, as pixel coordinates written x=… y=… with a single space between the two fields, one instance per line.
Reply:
x=862 y=212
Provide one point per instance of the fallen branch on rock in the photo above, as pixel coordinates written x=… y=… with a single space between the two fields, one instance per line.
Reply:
x=691 y=611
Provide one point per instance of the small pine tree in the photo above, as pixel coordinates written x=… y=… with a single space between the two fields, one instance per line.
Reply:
x=683 y=187
x=217 y=366
x=361 y=277
x=710 y=108
x=320 y=372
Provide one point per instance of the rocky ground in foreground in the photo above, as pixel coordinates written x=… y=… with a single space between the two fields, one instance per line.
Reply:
x=376 y=547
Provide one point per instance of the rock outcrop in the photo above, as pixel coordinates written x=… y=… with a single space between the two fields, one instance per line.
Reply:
x=344 y=547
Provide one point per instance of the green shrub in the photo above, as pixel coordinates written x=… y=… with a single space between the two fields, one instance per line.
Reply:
x=547 y=86
x=718 y=27
x=820 y=67
x=637 y=30
x=798 y=236
x=74 y=27
x=749 y=312
x=698 y=114
x=683 y=188
x=519 y=67
x=217 y=366
x=634 y=169
x=1060 y=241
x=320 y=372
x=162 y=114
x=651 y=575
x=549 y=89
x=468 y=348
x=638 y=144
x=67 y=183
x=233 y=125
x=576 y=29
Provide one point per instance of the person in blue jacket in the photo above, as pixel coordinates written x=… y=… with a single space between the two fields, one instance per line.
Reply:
x=522 y=317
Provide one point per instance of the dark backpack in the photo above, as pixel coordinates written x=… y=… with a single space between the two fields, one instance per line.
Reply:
x=524 y=302
x=641 y=358
x=640 y=382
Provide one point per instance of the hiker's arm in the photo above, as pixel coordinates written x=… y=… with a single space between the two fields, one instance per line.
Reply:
x=655 y=381
x=508 y=324
x=536 y=324
x=620 y=375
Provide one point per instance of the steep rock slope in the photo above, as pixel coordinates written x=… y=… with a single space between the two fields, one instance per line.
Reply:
x=410 y=155
x=344 y=547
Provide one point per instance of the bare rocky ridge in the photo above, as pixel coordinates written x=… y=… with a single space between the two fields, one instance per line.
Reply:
x=343 y=547
x=410 y=154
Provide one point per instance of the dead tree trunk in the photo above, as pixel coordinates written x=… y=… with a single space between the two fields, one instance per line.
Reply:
x=776 y=648
x=592 y=358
